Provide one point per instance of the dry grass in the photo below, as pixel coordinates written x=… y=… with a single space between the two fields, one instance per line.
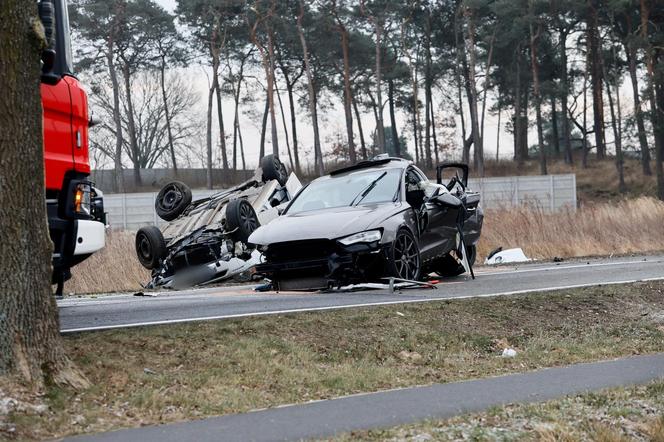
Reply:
x=613 y=415
x=113 y=269
x=627 y=226
x=218 y=367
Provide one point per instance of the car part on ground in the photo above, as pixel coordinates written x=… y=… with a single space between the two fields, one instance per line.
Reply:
x=206 y=239
x=375 y=219
x=506 y=256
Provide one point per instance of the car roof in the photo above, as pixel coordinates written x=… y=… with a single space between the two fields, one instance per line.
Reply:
x=378 y=163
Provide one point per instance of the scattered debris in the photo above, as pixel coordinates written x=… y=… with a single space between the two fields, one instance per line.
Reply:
x=558 y=259
x=509 y=353
x=401 y=314
x=507 y=256
x=149 y=371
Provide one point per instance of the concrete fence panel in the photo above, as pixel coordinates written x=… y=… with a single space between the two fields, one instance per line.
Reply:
x=551 y=192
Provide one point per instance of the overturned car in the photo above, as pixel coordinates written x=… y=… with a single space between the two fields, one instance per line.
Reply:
x=376 y=219
x=206 y=239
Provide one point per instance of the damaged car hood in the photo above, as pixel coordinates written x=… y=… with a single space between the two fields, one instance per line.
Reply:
x=329 y=223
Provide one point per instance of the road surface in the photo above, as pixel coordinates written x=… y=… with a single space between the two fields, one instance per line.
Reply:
x=118 y=311
x=323 y=419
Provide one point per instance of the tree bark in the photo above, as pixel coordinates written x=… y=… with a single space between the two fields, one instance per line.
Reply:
x=348 y=97
x=169 y=131
x=220 y=118
x=360 y=130
x=293 y=116
x=131 y=124
x=380 y=126
x=264 y=128
x=631 y=52
x=30 y=343
x=270 y=94
x=534 y=35
x=208 y=139
x=595 y=56
x=119 y=139
x=285 y=126
x=393 y=119
x=564 y=80
x=312 y=94
x=428 y=160
x=554 y=126
x=616 y=137
x=433 y=133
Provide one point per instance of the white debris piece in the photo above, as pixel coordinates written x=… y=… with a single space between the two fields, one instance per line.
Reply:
x=507 y=256
x=509 y=353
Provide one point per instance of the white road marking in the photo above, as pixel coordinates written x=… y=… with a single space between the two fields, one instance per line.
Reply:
x=347 y=306
x=563 y=267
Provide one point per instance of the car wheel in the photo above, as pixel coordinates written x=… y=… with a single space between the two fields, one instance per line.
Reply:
x=404 y=260
x=150 y=247
x=241 y=217
x=448 y=265
x=172 y=200
x=273 y=169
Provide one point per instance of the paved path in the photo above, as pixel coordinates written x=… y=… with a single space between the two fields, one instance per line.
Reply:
x=396 y=407
x=117 y=311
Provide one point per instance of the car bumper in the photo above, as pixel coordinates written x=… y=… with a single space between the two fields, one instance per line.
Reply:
x=359 y=262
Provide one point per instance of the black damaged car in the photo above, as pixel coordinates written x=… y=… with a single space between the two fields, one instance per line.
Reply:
x=378 y=218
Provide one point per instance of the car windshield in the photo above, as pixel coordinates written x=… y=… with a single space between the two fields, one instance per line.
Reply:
x=361 y=187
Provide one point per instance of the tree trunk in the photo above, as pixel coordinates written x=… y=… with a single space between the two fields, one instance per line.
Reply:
x=283 y=122
x=656 y=96
x=380 y=126
x=554 y=126
x=393 y=119
x=236 y=117
x=428 y=160
x=433 y=133
x=293 y=116
x=472 y=99
x=131 y=124
x=360 y=130
x=630 y=50
x=595 y=57
x=220 y=117
x=264 y=128
x=119 y=140
x=616 y=138
x=584 y=156
x=270 y=93
x=348 y=98
x=538 y=97
x=208 y=139
x=498 y=131
x=564 y=80
x=167 y=114
x=312 y=94
x=30 y=343
x=518 y=121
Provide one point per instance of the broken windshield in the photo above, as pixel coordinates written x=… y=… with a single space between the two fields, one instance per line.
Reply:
x=361 y=187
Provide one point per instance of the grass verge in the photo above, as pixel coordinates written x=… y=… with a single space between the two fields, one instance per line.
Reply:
x=169 y=373
x=613 y=415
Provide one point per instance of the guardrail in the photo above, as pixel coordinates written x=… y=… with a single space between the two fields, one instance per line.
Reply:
x=550 y=192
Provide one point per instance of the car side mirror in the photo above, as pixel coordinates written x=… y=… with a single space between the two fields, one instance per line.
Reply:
x=447 y=200
x=47 y=17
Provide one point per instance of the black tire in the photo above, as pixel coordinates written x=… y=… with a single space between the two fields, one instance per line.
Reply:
x=273 y=169
x=172 y=200
x=150 y=247
x=241 y=217
x=404 y=260
x=448 y=266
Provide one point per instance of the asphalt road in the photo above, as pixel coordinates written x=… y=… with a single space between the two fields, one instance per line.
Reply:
x=118 y=311
x=327 y=418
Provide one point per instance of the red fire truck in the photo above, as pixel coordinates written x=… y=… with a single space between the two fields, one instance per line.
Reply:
x=75 y=208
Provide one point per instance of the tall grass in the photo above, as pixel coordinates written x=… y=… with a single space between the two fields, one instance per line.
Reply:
x=628 y=226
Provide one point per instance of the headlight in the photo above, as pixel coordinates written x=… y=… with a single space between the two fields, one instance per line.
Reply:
x=82 y=199
x=368 y=236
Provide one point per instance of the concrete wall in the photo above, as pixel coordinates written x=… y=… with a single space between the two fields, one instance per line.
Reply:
x=551 y=192
x=154 y=179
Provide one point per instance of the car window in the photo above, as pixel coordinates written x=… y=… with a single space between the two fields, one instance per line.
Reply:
x=413 y=179
x=360 y=187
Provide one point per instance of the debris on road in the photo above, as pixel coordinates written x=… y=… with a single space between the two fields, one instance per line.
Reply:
x=206 y=240
x=507 y=256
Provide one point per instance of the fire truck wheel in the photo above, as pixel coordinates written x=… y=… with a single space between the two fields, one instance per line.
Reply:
x=172 y=200
x=150 y=247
